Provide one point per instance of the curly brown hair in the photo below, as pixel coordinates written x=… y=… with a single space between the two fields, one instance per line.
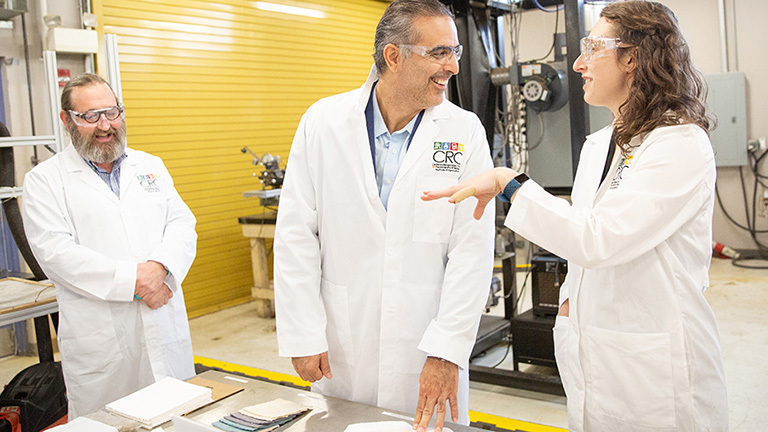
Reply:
x=666 y=89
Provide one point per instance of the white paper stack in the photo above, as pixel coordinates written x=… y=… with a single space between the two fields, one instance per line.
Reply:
x=274 y=409
x=385 y=426
x=83 y=424
x=155 y=404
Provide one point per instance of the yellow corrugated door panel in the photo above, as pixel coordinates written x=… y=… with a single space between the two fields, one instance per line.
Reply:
x=202 y=79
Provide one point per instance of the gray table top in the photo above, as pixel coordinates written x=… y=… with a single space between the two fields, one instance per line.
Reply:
x=328 y=414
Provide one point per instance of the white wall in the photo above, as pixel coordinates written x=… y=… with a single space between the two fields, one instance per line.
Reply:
x=748 y=41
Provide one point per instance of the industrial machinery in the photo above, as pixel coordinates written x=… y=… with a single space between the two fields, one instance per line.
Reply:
x=35 y=399
x=548 y=274
x=536 y=123
x=271 y=178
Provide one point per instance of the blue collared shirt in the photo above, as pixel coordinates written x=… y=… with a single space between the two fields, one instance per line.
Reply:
x=112 y=179
x=390 y=151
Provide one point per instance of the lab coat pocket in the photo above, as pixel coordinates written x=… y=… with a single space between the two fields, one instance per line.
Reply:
x=338 y=329
x=560 y=334
x=630 y=377
x=432 y=220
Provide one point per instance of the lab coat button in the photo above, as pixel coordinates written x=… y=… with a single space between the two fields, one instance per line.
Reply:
x=391 y=251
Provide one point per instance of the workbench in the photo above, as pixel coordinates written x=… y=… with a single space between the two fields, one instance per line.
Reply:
x=328 y=414
x=22 y=299
x=258 y=228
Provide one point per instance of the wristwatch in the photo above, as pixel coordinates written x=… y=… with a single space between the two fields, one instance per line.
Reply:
x=511 y=187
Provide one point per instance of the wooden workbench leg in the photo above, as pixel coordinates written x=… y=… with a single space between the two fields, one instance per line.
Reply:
x=261 y=292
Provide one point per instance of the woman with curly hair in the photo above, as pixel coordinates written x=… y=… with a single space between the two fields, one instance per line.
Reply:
x=636 y=343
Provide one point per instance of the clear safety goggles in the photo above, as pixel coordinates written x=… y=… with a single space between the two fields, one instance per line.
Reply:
x=91 y=117
x=595 y=47
x=440 y=54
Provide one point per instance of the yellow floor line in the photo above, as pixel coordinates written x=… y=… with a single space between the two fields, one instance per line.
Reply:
x=272 y=376
x=519 y=266
x=474 y=416
x=511 y=424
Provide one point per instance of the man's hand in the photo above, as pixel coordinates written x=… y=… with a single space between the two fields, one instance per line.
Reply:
x=149 y=279
x=158 y=298
x=312 y=368
x=484 y=187
x=439 y=381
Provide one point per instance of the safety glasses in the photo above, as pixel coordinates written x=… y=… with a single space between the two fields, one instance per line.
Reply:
x=593 y=47
x=440 y=54
x=91 y=117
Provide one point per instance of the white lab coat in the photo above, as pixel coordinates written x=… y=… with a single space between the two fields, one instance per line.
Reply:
x=379 y=289
x=640 y=351
x=89 y=242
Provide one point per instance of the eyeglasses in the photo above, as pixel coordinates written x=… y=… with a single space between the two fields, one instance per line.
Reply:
x=595 y=47
x=92 y=117
x=441 y=53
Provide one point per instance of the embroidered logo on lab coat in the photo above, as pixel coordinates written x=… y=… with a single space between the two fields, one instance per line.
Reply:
x=149 y=182
x=447 y=156
x=622 y=166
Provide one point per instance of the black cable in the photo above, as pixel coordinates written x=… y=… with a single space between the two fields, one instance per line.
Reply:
x=728 y=216
x=752 y=224
x=737 y=262
x=761 y=247
x=762 y=251
x=754 y=167
x=509 y=345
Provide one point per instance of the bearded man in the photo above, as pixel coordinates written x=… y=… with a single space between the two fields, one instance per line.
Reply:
x=109 y=229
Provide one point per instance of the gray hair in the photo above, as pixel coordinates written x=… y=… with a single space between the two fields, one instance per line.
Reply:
x=396 y=25
x=81 y=80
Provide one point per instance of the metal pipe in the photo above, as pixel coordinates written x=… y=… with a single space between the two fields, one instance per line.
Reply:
x=579 y=115
x=723 y=36
x=733 y=35
x=113 y=65
x=35 y=159
x=90 y=59
x=49 y=61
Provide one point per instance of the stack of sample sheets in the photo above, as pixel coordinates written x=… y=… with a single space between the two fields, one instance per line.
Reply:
x=263 y=417
x=155 y=404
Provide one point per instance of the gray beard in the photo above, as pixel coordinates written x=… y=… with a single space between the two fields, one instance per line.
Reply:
x=99 y=153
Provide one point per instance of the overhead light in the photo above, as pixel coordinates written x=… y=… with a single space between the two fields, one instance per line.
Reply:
x=292 y=10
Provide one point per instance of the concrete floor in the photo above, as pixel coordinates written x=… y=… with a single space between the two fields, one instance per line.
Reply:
x=738 y=296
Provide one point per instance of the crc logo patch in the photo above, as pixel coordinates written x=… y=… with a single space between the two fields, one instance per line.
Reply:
x=447 y=156
x=149 y=182
x=622 y=166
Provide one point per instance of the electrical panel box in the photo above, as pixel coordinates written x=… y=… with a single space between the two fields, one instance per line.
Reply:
x=727 y=100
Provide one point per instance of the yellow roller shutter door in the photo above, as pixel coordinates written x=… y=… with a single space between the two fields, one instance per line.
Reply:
x=203 y=79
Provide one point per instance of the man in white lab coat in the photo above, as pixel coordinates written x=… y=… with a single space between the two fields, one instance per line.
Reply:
x=109 y=229
x=378 y=296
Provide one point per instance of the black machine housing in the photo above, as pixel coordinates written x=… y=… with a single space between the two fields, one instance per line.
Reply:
x=35 y=399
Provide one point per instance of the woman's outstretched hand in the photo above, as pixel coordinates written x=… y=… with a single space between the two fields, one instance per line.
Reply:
x=483 y=186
